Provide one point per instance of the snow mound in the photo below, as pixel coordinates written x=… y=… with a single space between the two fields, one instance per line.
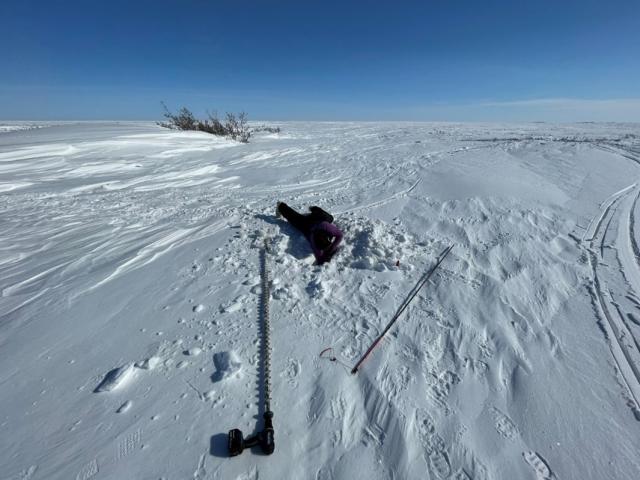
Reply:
x=124 y=407
x=116 y=378
x=227 y=365
x=149 y=363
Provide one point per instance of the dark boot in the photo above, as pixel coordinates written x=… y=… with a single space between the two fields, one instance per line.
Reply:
x=319 y=215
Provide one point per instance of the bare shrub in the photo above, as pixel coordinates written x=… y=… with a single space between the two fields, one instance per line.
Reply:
x=214 y=125
x=183 y=120
x=265 y=128
x=235 y=126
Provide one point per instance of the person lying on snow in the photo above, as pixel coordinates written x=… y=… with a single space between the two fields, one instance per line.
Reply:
x=317 y=227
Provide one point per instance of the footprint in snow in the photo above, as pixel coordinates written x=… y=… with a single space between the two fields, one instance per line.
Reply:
x=90 y=470
x=504 y=425
x=27 y=474
x=227 y=365
x=433 y=445
x=291 y=371
x=543 y=472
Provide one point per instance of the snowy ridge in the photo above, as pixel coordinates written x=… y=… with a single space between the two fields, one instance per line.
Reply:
x=130 y=289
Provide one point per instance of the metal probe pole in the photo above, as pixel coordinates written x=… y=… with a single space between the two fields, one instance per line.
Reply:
x=264 y=438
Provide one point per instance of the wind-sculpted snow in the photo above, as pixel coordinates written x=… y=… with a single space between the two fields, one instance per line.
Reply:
x=130 y=289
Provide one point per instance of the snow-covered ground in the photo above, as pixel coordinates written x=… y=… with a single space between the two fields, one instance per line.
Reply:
x=130 y=288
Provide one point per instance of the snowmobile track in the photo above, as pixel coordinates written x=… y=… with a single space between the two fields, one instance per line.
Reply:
x=622 y=343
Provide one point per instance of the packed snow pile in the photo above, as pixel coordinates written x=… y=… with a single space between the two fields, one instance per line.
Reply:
x=116 y=378
x=376 y=245
x=130 y=307
x=149 y=363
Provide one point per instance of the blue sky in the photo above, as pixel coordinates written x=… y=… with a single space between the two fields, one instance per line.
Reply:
x=561 y=60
